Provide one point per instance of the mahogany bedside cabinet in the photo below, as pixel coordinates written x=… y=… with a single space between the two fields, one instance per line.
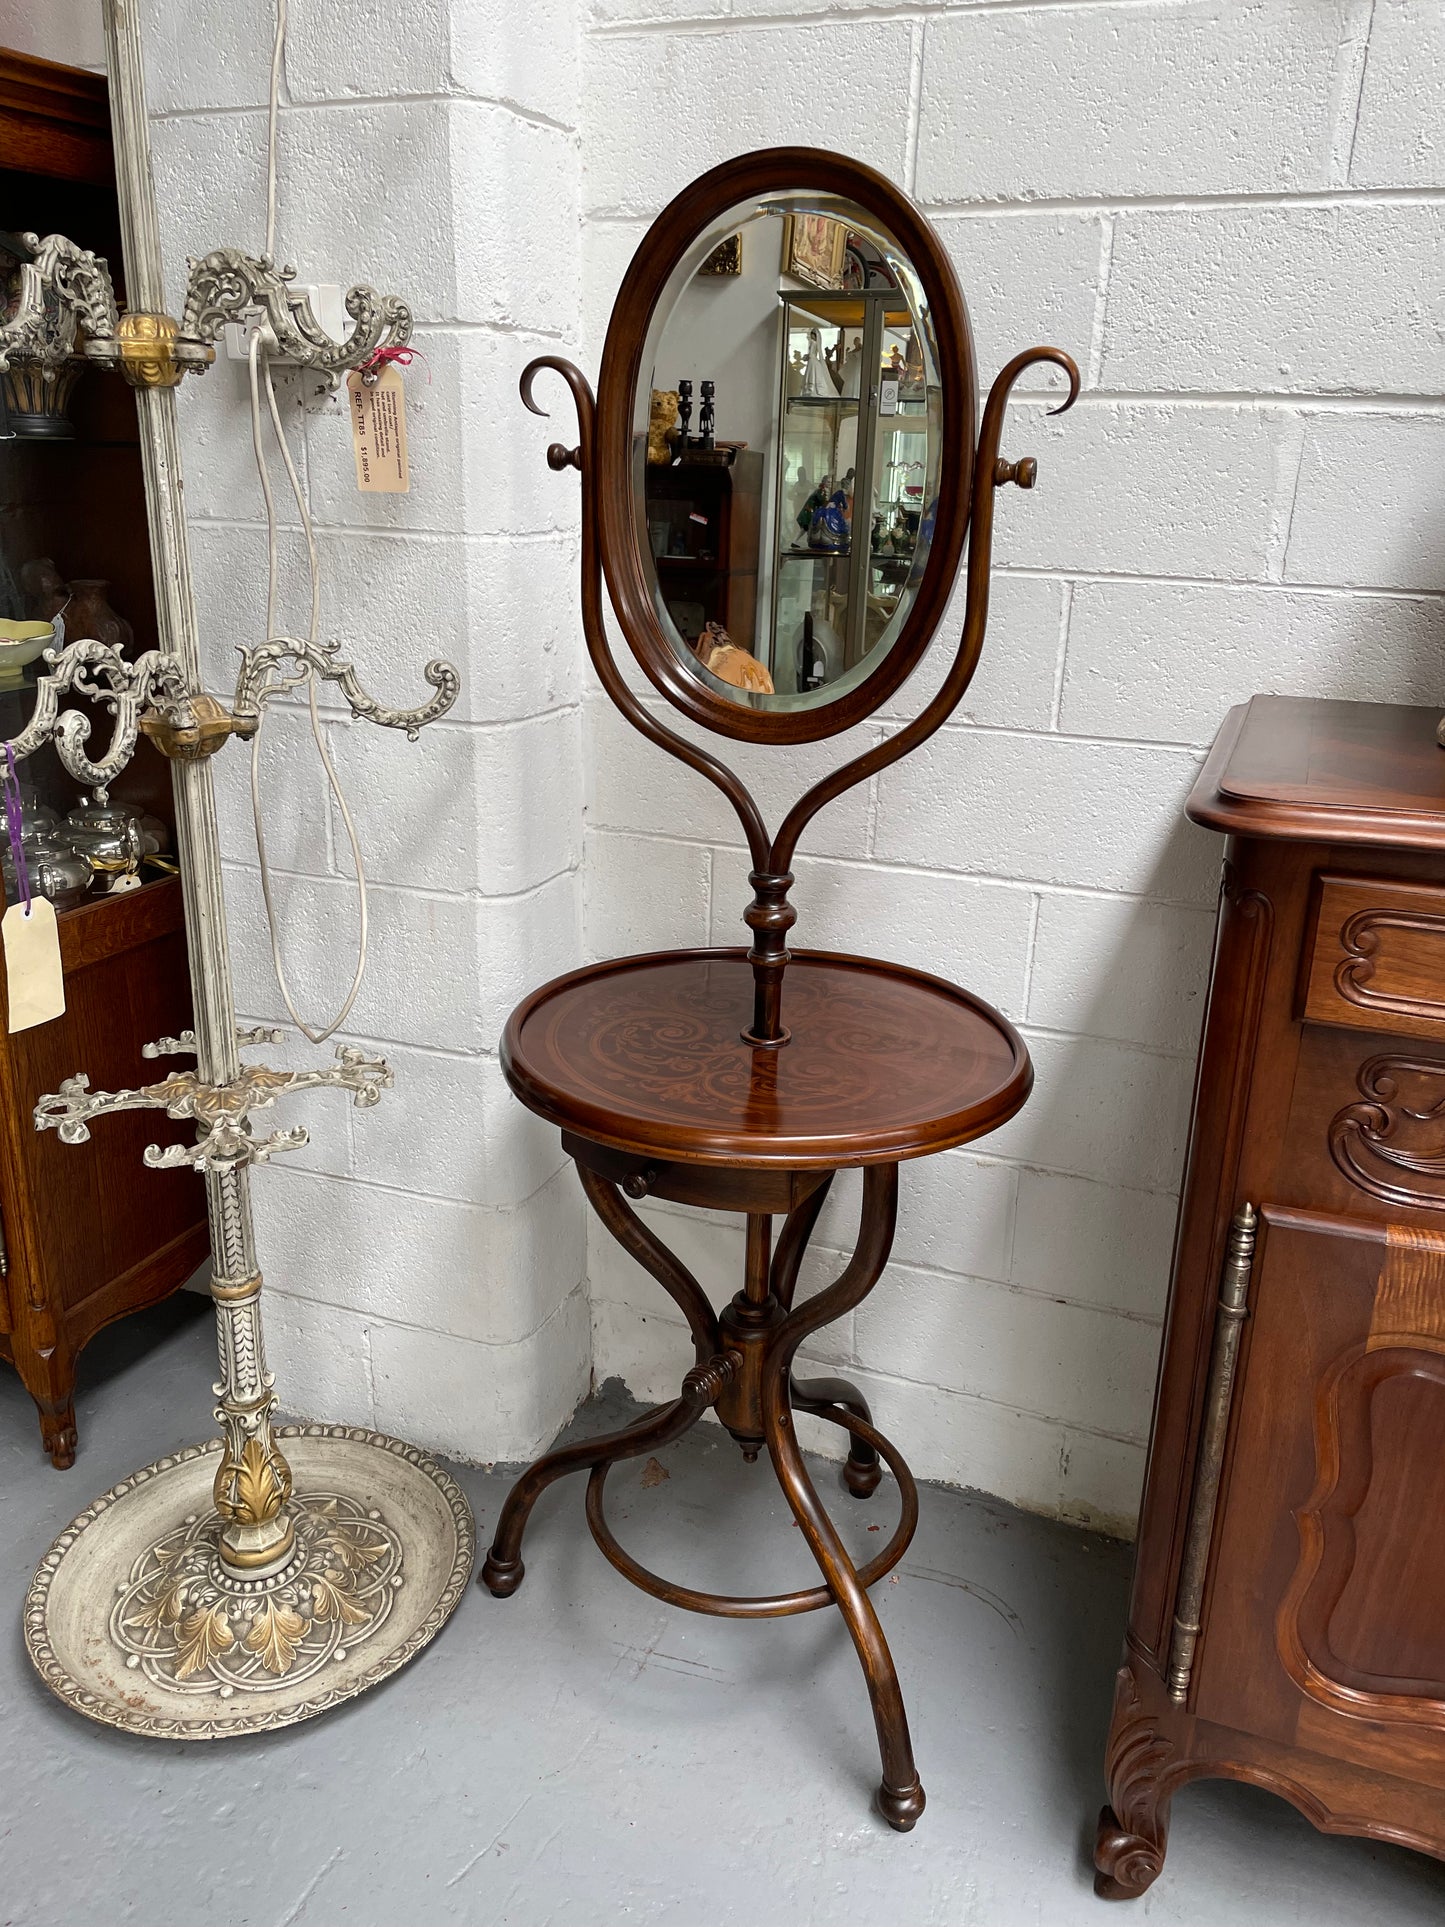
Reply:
x=742 y=1079
x=1287 y=1625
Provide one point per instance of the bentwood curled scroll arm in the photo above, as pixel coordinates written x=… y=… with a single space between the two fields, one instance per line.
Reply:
x=593 y=624
x=988 y=474
x=770 y=915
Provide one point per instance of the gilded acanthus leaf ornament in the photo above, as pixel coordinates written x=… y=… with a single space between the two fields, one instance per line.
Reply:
x=330 y=1601
x=276 y=1634
x=205 y=1635
x=254 y=1489
x=180 y=1619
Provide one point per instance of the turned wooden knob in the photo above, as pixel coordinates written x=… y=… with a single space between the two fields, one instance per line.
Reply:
x=1025 y=471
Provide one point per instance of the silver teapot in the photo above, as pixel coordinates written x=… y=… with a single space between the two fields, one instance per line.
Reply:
x=53 y=870
x=109 y=836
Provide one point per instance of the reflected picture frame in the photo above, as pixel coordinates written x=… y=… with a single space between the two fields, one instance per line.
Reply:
x=814 y=246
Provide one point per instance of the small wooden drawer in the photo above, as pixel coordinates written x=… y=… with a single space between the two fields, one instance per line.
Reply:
x=714 y=1187
x=1377 y=956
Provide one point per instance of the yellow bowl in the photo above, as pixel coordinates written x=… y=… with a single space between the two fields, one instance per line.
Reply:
x=21 y=643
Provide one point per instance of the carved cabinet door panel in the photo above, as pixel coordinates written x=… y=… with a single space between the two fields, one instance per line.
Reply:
x=1325 y=1614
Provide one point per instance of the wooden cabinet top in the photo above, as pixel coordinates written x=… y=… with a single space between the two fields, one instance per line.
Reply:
x=54 y=120
x=1329 y=772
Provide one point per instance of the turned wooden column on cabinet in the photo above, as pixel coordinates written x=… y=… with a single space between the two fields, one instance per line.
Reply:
x=1287 y=1625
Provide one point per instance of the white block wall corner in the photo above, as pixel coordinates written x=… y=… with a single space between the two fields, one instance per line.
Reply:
x=1233 y=215
x=425 y=1260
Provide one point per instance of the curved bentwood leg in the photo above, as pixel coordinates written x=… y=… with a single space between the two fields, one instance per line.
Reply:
x=503 y=1571
x=900 y=1796
x=822 y=1396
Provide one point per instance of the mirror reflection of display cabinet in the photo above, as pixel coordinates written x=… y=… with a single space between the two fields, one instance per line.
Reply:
x=704 y=528
x=82 y=1242
x=852 y=402
x=796 y=509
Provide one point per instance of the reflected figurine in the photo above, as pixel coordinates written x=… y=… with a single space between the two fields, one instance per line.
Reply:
x=829 y=531
x=818 y=383
x=730 y=662
x=815 y=503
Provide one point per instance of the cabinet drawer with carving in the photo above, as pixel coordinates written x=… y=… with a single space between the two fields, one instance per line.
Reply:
x=1377 y=956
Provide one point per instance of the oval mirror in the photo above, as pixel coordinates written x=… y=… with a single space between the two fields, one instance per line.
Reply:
x=786 y=438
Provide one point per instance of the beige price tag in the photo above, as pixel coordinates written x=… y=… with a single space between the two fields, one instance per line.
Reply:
x=378 y=432
x=32 y=964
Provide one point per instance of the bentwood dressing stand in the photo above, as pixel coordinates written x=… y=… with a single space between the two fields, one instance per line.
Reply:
x=1288 y=1617
x=741 y=1080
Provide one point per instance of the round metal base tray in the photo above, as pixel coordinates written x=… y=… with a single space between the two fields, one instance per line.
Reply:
x=132 y=1621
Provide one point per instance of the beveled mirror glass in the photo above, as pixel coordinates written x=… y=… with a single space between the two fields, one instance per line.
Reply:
x=787 y=445
x=785 y=426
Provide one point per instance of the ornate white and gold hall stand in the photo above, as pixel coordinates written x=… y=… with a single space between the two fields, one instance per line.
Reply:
x=272 y=1572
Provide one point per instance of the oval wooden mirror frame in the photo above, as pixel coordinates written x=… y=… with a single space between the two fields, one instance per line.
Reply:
x=611 y=548
x=780 y=171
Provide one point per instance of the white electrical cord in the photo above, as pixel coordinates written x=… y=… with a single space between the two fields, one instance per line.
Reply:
x=278 y=55
x=260 y=372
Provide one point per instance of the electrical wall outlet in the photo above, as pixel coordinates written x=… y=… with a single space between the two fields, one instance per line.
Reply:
x=328 y=305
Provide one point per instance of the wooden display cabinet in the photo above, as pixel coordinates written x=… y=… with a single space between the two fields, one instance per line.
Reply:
x=1286 y=1624
x=706 y=516
x=86 y=1232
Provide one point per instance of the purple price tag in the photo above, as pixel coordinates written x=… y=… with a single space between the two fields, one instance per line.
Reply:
x=13 y=824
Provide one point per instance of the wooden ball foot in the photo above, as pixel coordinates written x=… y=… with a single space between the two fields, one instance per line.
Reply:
x=901 y=1808
x=861 y=1477
x=501 y=1577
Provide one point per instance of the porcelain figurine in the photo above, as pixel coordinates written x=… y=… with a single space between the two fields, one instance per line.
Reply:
x=829 y=529
x=818 y=384
x=815 y=504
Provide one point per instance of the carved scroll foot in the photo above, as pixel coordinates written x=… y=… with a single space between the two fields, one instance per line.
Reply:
x=57 y=1430
x=1126 y=1865
x=1134 y=1830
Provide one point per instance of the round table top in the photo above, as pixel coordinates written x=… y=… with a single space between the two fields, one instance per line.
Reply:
x=646 y=1054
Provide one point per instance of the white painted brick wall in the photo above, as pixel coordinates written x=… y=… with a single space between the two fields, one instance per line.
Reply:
x=1230 y=212
x=426 y=1260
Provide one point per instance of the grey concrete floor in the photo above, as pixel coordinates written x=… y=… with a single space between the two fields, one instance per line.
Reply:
x=582 y=1755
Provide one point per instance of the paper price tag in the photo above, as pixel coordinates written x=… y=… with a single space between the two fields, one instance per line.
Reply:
x=32 y=964
x=378 y=432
